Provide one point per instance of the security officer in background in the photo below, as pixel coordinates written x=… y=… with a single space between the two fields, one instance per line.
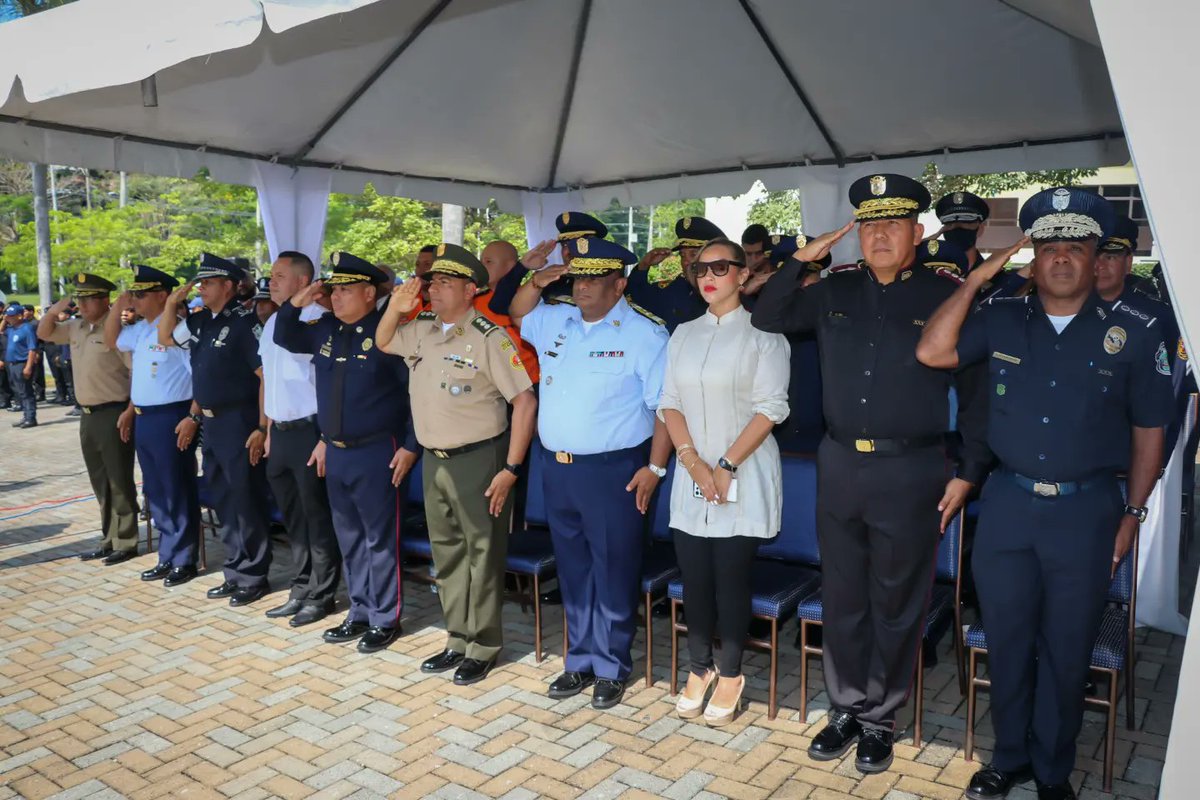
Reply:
x=105 y=430
x=1114 y=266
x=756 y=243
x=571 y=225
x=602 y=369
x=882 y=494
x=264 y=304
x=161 y=398
x=20 y=359
x=963 y=216
x=222 y=340
x=662 y=286
x=465 y=373
x=363 y=414
x=1080 y=388
x=290 y=403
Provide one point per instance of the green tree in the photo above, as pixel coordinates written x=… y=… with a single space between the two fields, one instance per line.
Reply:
x=997 y=183
x=778 y=211
x=383 y=230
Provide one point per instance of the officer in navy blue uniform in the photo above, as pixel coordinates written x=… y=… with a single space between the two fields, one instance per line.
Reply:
x=963 y=216
x=662 y=286
x=1080 y=388
x=882 y=490
x=602 y=363
x=571 y=225
x=362 y=411
x=222 y=340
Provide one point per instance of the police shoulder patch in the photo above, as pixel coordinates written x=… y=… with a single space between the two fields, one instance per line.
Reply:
x=948 y=274
x=427 y=315
x=1161 y=362
x=645 y=313
x=861 y=265
x=484 y=325
x=242 y=311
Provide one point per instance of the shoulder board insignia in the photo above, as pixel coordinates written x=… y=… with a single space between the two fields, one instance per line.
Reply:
x=528 y=277
x=242 y=311
x=427 y=315
x=1023 y=300
x=560 y=299
x=1133 y=312
x=484 y=325
x=847 y=267
x=645 y=313
x=949 y=274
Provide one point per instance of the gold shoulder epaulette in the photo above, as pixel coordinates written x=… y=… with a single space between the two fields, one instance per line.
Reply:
x=427 y=315
x=644 y=312
x=484 y=325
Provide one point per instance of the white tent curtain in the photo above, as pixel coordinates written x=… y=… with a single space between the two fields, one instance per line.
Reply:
x=293 y=203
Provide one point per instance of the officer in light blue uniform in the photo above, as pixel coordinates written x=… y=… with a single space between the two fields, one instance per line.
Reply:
x=663 y=287
x=161 y=393
x=1080 y=389
x=222 y=340
x=362 y=412
x=602 y=363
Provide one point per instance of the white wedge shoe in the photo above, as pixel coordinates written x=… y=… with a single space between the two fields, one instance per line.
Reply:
x=688 y=708
x=716 y=716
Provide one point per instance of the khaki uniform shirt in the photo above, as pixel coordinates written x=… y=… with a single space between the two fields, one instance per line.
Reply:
x=461 y=380
x=101 y=375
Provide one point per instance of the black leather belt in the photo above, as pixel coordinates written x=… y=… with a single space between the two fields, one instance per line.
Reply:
x=290 y=424
x=345 y=444
x=891 y=447
x=104 y=406
x=212 y=411
x=458 y=451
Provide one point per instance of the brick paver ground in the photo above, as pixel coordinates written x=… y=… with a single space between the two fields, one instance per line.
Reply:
x=110 y=687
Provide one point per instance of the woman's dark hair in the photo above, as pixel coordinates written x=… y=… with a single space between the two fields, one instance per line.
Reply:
x=739 y=254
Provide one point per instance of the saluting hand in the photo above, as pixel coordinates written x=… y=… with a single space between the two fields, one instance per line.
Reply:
x=318 y=458
x=498 y=490
x=405 y=297
x=124 y=301
x=401 y=463
x=535 y=259
x=61 y=305
x=818 y=248
x=179 y=295
x=544 y=277
x=654 y=257
x=954 y=498
x=643 y=485
x=991 y=266
x=308 y=295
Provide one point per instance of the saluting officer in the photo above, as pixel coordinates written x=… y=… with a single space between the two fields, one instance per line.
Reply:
x=465 y=371
x=570 y=225
x=1080 y=389
x=662 y=286
x=222 y=340
x=101 y=379
x=363 y=414
x=882 y=495
x=1114 y=284
x=602 y=363
x=161 y=396
x=963 y=216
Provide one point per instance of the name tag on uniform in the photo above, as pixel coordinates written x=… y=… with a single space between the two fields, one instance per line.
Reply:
x=606 y=354
x=1006 y=357
x=550 y=353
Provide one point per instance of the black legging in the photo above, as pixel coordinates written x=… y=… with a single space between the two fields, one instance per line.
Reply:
x=716 y=596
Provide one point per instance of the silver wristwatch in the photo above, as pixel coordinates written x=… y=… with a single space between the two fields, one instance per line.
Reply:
x=661 y=472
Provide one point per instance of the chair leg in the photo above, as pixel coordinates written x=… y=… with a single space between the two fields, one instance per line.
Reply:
x=919 y=700
x=803 y=672
x=537 y=620
x=649 y=640
x=958 y=660
x=1110 y=732
x=771 y=700
x=969 y=745
x=1130 y=678
x=674 y=647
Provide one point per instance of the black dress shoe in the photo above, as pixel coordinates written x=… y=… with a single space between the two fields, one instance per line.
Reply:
x=348 y=631
x=1055 y=791
x=92 y=555
x=290 y=608
x=226 y=589
x=472 y=670
x=119 y=557
x=377 y=639
x=874 y=751
x=990 y=783
x=247 y=595
x=570 y=684
x=442 y=662
x=310 y=613
x=836 y=737
x=25 y=424
x=179 y=576
x=607 y=693
x=157 y=573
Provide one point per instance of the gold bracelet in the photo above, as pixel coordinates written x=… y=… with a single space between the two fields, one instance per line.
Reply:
x=683 y=448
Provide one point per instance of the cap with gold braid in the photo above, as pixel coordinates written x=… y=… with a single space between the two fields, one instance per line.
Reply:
x=458 y=262
x=88 y=285
x=592 y=256
x=573 y=224
x=348 y=268
x=695 y=232
x=887 y=196
x=1124 y=236
x=937 y=254
x=149 y=279
x=781 y=248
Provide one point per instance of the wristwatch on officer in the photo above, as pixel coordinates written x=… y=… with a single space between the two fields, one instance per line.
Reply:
x=515 y=469
x=661 y=472
x=262 y=429
x=1137 y=512
x=195 y=418
x=727 y=465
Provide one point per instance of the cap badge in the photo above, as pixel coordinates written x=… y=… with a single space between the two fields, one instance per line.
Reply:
x=801 y=241
x=933 y=247
x=878 y=185
x=566 y=217
x=958 y=198
x=687 y=223
x=582 y=247
x=1060 y=200
x=335 y=258
x=775 y=239
x=1114 y=339
x=81 y=278
x=441 y=251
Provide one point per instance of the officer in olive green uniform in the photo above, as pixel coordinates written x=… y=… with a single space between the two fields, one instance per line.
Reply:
x=465 y=371
x=101 y=376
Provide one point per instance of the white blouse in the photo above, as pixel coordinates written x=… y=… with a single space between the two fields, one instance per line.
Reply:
x=720 y=373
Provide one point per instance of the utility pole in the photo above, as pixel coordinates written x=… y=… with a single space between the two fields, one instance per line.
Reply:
x=41 y=217
x=124 y=191
x=453 y=222
x=87 y=189
x=54 y=187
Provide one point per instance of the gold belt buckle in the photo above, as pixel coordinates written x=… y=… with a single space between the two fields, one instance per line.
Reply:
x=208 y=412
x=1043 y=489
x=86 y=410
x=564 y=458
x=864 y=445
x=440 y=453
x=336 y=443
x=137 y=410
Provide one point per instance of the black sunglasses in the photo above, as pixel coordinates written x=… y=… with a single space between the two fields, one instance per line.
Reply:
x=719 y=268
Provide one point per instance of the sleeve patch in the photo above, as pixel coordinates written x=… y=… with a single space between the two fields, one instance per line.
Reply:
x=1161 y=364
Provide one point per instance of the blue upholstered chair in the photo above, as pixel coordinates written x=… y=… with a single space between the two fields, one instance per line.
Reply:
x=530 y=551
x=659 y=567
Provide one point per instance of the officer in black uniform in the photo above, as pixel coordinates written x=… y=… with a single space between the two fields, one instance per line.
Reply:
x=882 y=495
x=1080 y=388
x=571 y=225
x=963 y=216
x=222 y=340
x=662 y=286
x=1115 y=284
x=362 y=411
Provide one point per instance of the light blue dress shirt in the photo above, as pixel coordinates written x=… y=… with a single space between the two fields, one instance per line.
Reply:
x=160 y=375
x=601 y=383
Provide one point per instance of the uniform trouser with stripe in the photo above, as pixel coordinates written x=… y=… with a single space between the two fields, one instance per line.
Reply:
x=1042 y=568
x=169 y=481
x=304 y=501
x=109 y=463
x=878 y=529
x=239 y=494
x=366 y=519
x=469 y=546
x=598 y=537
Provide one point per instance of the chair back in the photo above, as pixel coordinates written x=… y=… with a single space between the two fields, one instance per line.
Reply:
x=535 y=493
x=949 y=555
x=1121 y=588
x=797 y=539
x=660 y=515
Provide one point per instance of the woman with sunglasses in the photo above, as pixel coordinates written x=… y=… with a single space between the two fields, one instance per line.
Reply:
x=726 y=387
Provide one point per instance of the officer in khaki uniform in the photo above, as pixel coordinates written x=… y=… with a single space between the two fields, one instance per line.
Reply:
x=465 y=371
x=101 y=376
